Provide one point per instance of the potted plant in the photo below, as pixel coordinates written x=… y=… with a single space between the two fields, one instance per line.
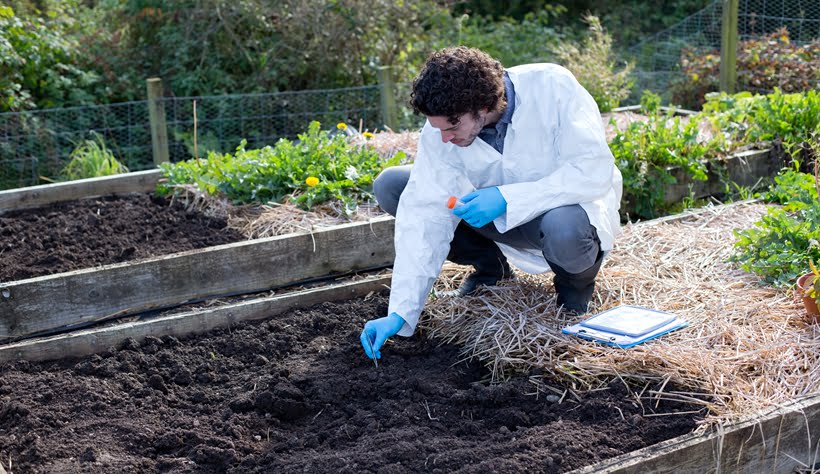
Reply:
x=809 y=287
x=809 y=284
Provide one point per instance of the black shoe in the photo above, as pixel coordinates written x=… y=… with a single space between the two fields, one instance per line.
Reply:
x=575 y=290
x=471 y=248
x=575 y=309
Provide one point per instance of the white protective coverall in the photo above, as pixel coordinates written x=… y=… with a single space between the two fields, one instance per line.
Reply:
x=555 y=154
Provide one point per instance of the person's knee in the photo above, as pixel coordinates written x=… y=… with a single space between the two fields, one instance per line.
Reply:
x=568 y=239
x=388 y=186
x=564 y=226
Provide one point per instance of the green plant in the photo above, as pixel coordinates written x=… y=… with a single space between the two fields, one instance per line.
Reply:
x=780 y=244
x=91 y=159
x=316 y=168
x=785 y=121
x=506 y=39
x=213 y=47
x=646 y=153
x=650 y=102
x=787 y=239
x=593 y=64
x=792 y=188
x=811 y=287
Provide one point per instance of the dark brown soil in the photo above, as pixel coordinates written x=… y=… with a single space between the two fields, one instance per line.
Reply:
x=91 y=232
x=297 y=394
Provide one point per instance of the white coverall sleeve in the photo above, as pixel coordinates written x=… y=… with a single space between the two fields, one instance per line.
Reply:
x=585 y=164
x=424 y=230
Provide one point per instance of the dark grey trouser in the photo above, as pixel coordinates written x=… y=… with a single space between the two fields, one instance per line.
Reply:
x=564 y=235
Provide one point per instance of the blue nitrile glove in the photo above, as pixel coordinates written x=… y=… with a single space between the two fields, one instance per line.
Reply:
x=481 y=207
x=378 y=331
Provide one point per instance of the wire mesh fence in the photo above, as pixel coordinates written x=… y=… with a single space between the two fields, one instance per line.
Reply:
x=222 y=122
x=657 y=58
x=36 y=145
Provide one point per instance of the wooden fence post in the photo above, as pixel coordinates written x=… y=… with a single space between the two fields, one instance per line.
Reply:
x=388 y=98
x=156 y=115
x=728 y=47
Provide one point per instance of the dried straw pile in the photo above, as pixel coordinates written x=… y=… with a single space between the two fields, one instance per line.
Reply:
x=747 y=345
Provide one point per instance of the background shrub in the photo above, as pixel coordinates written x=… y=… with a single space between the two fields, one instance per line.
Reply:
x=593 y=64
x=39 y=62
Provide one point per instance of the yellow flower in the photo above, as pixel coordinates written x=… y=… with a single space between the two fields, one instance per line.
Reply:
x=695 y=78
x=368 y=135
x=312 y=181
x=341 y=126
x=785 y=39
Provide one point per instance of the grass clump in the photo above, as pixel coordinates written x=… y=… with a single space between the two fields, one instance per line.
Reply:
x=91 y=159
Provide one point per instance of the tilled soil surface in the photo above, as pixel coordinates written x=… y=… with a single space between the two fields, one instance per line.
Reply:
x=296 y=394
x=91 y=232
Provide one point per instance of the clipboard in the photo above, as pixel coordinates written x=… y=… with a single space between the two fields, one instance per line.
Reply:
x=626 y=326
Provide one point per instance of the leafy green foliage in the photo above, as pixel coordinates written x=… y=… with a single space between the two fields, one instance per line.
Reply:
x=216 y=47
x=91 y=159
x=628 y=20
x=532 y=39
x=593 y=64
x=316 y=168
x=789 y=119
x=782 y=244
x=650 y=102
x=647 y=150
x=38 y=63
x=791 y=186
x=763 y=64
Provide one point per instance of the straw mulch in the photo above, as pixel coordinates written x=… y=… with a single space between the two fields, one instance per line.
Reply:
x=272 y=219
x=747 y=347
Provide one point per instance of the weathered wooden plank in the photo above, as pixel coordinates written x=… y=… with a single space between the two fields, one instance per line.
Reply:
x=781 y=441
x=135 y=182
x=91 y=341
x=744 y=168
x=663 y=108
x=43 y=304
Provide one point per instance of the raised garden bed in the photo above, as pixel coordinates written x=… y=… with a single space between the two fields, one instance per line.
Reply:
x=89 y=233
x=295 y=393
x=68 y=300
x=183 y=443
x=88 y=261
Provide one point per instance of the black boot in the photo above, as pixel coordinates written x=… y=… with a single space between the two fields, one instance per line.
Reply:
x=575 y=290
x=471 y=248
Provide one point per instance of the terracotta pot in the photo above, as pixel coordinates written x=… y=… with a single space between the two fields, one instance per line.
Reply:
x=808 y=301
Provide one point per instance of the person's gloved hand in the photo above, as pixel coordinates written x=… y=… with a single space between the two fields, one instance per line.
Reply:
x=481 y=206
x=378 y=331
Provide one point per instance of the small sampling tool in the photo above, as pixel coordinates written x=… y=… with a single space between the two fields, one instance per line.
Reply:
x=375 y=360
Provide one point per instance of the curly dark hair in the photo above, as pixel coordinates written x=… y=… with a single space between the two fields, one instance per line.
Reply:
x=456 y=81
